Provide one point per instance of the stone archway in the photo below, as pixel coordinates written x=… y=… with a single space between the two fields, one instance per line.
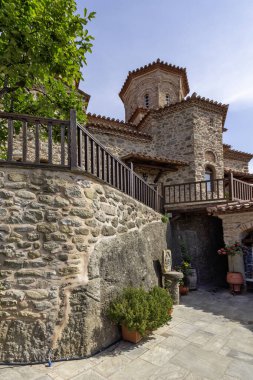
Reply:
x=236 y=226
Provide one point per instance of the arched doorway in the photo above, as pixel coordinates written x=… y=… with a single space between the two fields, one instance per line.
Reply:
x=247 y=241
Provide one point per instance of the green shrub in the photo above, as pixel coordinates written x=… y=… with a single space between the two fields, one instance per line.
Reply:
x=140 y=310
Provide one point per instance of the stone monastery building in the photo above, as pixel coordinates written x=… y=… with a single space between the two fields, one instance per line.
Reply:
x=175 y=142
x=77 y=225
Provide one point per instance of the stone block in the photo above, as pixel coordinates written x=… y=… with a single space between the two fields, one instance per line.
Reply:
x=8 y=302
x=25 y=194
x=74 y=222
x=82 y=213
x=47 y=227
x=5 y=228
x=17 y=177
x=81 y=247
x=29 y=314
x=52 y=215
x=108 y=209
x=68 y=271
x=48 y=199
x=30 y=273
x=61 y=202
x=33 y=216
x=90 y=193
x=58 y=236
x=73 y=192
x=66 y=230
x=14 y=264
x=24 y=244
x=33 y=254
x=82 y=231
x=51 y=246
x=24 y=228
x=63 y=257
x=5 y=194
x=108 y=231
x=122 y=229
x=42 y=305
x=37 y=294
x=15 y=185
x=33 y=236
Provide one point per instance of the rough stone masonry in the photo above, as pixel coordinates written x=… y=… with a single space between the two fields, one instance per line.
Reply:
x=67 y=246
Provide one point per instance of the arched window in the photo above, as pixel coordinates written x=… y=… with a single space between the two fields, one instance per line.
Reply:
x=209 y=176
x=146 y=100
x=167 y=98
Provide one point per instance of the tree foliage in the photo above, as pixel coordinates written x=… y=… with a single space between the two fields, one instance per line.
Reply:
x=43 y=44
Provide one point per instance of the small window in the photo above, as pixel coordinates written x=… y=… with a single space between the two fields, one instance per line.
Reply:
x=167 y=97
x=146 y=100
x=209 y=177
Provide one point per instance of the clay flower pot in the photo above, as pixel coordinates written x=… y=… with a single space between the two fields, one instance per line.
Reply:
x=183 y=290
x=130 y=336
x=235 y=280
x=170 y=311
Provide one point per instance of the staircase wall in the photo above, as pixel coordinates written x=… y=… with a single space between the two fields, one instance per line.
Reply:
x=68 y=245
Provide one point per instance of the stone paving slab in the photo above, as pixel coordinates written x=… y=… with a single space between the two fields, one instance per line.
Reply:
x=209 y=338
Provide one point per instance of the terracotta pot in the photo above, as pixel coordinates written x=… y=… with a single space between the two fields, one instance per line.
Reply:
x=170 y=311
x=235 y=280
x=130 y=336
x=183 y=290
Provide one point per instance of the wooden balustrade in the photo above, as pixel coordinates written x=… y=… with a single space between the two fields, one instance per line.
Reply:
x=96 y=160
x=44 y=142
x=242 y=191
x=192 y=192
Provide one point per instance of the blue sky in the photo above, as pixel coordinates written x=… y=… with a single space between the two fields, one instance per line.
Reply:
x=213 y=39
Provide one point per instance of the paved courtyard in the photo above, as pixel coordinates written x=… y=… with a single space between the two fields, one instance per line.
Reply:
x=209 y=337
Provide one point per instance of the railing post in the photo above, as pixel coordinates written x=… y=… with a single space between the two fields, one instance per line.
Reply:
x=131 y=180
x=10 y=140
x=73 y=139
x=231 y=186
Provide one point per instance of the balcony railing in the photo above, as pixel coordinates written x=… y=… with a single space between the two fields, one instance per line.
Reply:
x=222 y=189
x=49 y=143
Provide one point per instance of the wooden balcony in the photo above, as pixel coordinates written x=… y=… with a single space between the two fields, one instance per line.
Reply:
x=202 y=193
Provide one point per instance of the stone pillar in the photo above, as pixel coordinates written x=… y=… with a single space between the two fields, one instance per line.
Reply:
x=171 y=282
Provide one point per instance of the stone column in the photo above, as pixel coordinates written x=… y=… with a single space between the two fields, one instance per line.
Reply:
x=171 y=282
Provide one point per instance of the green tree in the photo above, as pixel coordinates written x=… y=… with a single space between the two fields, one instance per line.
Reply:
x=43 y=44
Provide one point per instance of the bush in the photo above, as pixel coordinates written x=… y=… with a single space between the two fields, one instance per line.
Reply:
x=140 y=310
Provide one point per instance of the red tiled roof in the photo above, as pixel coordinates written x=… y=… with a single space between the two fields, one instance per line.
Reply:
x=194 y=99
x=236 y=154
x=162 y=160
x=239 y=174
x=231 y=208
x=106 y=124
x=152 y=66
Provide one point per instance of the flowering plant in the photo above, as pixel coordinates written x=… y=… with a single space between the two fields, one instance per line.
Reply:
x=232 y=250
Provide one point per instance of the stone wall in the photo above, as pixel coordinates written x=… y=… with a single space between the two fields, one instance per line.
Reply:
x=68 y=245
x=236 y=226
x=156 y=84
x=236 y=165
x=208 y=146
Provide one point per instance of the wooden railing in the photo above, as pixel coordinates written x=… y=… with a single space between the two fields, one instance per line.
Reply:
x=192 y=192
x=45 y=142
x=95 y=159
x=241 y=191
x=229 y=189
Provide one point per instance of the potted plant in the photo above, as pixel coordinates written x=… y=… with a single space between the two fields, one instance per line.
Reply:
x=190 y=272
x=139 y=311
x=234 y=279
x=183 y=284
